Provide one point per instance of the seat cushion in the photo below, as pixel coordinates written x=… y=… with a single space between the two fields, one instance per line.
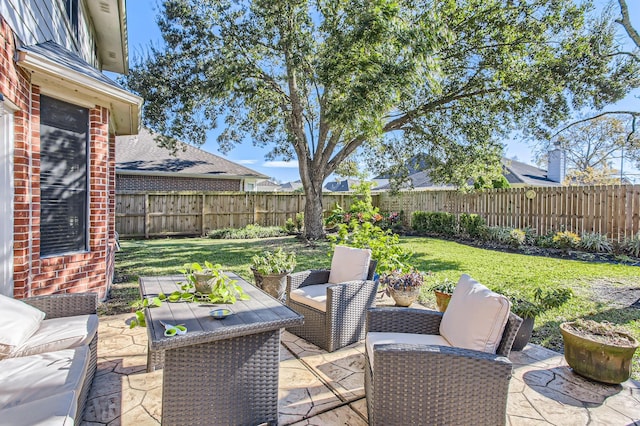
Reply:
x=312 y=295
x=19 y=322
x=476 y=316
x=349 y=264
x=380 y=338
x=30 y=378
x=57 y=410
x=60 y=333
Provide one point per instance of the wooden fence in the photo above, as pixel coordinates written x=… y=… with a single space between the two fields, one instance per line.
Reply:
x=608 y=210
x=154 y=214
x=613 y=210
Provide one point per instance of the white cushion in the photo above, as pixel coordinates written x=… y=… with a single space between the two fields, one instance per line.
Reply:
x=379 y=338
x=475 y=317
x=57 y=410
x=349 y=264
x=312 y=295
x=60 y=333
x=18 y=322
x=29 y=378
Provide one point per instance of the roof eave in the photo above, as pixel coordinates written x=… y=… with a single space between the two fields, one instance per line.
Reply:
x=110 y=23
x=186 y=175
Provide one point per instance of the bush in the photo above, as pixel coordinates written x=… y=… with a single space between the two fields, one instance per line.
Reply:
x=500 y=234
x=440 y=223
x=596 y=243
x=631 y=246
x=473 y=225
x=384 y=245
x=517 y=237
x=566 y=240
x=248 y=232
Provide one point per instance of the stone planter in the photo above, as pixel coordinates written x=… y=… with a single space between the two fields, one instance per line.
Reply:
x=404 y=297
x=598 y=361
x=273 y=284
x=442 y=300
x=524 y=334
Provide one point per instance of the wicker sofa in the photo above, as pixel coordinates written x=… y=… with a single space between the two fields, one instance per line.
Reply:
x=48 y=357
x=416 y=375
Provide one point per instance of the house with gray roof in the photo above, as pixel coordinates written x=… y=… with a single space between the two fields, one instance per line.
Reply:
x=142 y=165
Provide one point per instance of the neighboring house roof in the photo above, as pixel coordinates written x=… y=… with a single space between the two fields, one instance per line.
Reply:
x=141 y=155
x=341 y=185
x=65 y=75
x=291 y=186
x=516 y=173
x=267 y=186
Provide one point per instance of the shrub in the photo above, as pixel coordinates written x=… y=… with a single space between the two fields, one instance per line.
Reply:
x=500 y=234
x=517 y=237
x=473 y=225
x=631 y=246
x=566 y=240
x=384 y=245
x=248 y=232
x=594 y=242
x=299 y=221
x=440 y=223
x=546 y=240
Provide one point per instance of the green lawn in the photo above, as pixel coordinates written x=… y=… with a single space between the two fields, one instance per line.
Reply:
x=599 y=288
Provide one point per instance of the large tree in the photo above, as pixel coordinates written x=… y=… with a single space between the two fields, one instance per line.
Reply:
x=316 y=80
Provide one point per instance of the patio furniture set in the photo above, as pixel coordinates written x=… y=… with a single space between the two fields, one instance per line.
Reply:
x=421 y=367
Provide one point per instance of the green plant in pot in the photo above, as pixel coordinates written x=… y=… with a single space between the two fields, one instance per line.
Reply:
x=270 y=270
x=529 y=307
x=599 y=351
x=443 y=291
x=403 y=287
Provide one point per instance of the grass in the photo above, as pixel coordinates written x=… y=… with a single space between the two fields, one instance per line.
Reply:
x=597 y=286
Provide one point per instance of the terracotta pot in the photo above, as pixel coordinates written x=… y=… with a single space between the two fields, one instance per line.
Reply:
x=442 y=300
x=597 y=361
x=524 y=334
x=273 y=284
x=404 y=297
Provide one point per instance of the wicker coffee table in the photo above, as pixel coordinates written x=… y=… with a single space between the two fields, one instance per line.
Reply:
x=221 y=371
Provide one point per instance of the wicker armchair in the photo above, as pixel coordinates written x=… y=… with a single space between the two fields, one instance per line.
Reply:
x=410 y=383
x=343 y=322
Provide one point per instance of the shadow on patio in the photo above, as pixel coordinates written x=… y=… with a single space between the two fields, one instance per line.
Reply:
x=317 y=387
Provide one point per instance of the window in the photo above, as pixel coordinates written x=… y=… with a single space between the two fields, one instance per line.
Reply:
x=64 y=132
x=71 y=10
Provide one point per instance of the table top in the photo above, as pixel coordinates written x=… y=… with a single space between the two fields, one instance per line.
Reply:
x=258 y=314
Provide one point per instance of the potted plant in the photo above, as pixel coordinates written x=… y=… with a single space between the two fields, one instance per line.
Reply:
x=443 y=291
x=528 y=308
x=202 y=283
x=404 y=287
x=599 y=351
x=270 y=270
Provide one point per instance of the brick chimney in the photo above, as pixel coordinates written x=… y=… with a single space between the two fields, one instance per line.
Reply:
x=556 y=168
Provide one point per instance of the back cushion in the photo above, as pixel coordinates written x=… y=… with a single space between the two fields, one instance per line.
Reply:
x=349 y=264
x=476 y=317
x=18 y=322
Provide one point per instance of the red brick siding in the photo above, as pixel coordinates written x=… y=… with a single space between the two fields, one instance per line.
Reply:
x=59 y=274
x=170 y=183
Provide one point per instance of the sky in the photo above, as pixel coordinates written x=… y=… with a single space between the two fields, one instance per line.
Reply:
x=143 y=31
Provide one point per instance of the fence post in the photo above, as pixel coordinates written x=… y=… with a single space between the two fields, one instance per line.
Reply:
x=147 y=216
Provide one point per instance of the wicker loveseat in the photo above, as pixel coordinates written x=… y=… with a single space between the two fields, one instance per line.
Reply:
x=334 y=310
x=48 y=357
x=414 y=375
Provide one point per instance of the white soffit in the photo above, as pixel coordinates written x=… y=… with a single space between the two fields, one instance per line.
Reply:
x=79 y=88
x=110 y=24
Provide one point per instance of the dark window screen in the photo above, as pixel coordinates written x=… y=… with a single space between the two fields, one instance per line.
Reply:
x=64 y=130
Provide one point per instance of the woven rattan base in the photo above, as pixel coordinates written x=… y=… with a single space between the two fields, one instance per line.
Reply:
x=226 y=382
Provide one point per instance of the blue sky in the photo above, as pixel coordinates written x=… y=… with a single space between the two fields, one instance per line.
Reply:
x=143 y=30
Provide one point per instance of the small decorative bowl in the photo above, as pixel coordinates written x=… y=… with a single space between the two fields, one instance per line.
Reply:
x=220 y=313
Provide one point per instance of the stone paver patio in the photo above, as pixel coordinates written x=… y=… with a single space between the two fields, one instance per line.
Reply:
x=318 y=388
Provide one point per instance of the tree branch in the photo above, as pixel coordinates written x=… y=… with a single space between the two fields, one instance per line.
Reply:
x=626 y=23
x=633 y=114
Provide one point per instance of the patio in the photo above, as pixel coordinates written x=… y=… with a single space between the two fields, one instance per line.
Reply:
x=319 y=388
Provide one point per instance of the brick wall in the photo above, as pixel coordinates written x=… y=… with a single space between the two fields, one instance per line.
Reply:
x=170 y=183
x=78 y=272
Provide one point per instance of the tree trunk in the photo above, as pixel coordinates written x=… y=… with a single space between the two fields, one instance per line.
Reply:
x=313 y=218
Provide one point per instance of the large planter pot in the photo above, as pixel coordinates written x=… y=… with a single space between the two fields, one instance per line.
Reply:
x=442 y=300
x=598 y=361
x=404 y=297
x=273 y=284
x=524 y=334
